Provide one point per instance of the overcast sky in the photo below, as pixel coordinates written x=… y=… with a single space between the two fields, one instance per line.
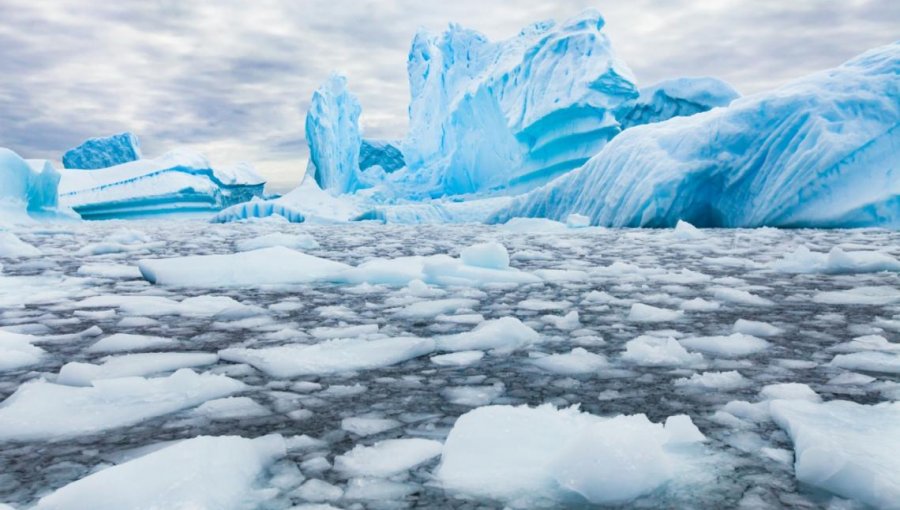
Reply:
x=234 y=78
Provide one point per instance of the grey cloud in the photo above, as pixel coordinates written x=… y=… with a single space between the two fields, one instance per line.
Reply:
x=234 y=78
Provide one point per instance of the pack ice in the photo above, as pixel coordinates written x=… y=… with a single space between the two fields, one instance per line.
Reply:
x=180 y=181
x=817 y=152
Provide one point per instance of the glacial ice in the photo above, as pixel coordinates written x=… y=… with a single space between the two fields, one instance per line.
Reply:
x=510 y=115
x=40 y=410
x=26 y=188
x=203 y=472
x=527 y=455
x=679 y=97
x=103 y=152
x=817 y=152
x=382 y=153
x=180 y=181
x=846 y=448
x=332 y=132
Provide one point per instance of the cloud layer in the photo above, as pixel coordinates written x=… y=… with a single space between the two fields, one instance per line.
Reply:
x=234 y=78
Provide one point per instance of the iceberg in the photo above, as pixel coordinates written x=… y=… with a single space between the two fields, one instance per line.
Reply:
x=383 y=153
x=27 y=188
x=103 y=152
x=332 y=132
x=180 y=181
x=487 y=116
x=818 y=152
x=307 y=203
x=679 y=97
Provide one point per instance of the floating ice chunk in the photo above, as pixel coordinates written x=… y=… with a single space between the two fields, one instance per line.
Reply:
x=364 y=426
x=457 y=359
x=275 y=265
x=318 y=490
x=868 y=343
x=845 y=448
x=500 y=335
x=344 y=331
x=657 y=351
x=724 y=381
x=883 y=362
x=121 y=342
x=850 y=378
x=16 y=351
x=293 y=241
x=230 y=408
x=333 y=356
x=645 y=313
x=567 y=322
x=127 y=365
x=541 y=305
x=387 y=458
x=444 y=270
x=492 y=255
x=684 y=231
x=109 y=271
x=473 y=396
x=577 y=361
x=860 y=296
x=204 y=472
x=731 y=346
x=534 y=225
x=836 y=261
x=740 y=297
x=377 y=489
x=525 y=455
x=756 y=328
x=699 y=305
x=428 y=309
x=158 y=305
x=578 y=221
x=681 y=430
x=11 y=247
x=39 y=410
x=789 y=391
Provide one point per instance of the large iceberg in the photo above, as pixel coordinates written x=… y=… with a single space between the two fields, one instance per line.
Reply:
x=27 y=188
x=180 y=181
x=383 y=153
x=510 y=115
x=679 y=97
x=332 y=132
x=818 y=152
x=103 y=152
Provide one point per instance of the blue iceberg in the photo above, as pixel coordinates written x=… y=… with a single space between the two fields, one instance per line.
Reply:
x=818 y=152
x=332 y=132
x=383 y=153
x=103 y=152
x=679 y=97
x=501 y=117
x=27 y=188
x=181 y=182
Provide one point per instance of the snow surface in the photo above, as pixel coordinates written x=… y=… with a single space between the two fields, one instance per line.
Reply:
x=829 y=140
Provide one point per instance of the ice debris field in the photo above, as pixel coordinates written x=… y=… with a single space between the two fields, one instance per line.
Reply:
x=472 y=316
x=154 y=364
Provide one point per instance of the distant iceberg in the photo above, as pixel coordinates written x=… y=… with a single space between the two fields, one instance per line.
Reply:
x=103 y=152
x=180 y=181
x=818 y=152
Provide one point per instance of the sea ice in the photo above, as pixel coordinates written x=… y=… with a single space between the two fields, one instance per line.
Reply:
x=387 y=458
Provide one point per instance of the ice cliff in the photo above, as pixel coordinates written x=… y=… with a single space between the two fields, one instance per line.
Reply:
x=818 y=152
x=103 y=152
